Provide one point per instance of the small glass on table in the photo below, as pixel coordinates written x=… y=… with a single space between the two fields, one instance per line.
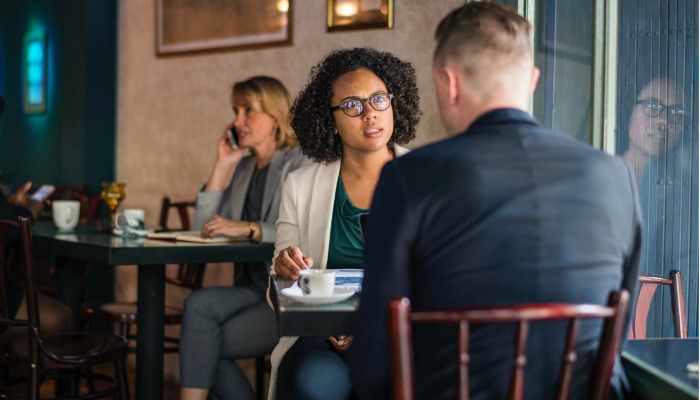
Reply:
x=113 y=194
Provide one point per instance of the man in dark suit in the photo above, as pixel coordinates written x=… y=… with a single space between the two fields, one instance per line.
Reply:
x=505 y=211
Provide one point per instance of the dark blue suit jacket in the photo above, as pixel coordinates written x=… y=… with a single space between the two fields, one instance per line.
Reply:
x=506 y=212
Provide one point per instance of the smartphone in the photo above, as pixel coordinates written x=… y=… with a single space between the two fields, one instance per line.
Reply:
x=233 y=138
x=43 y=192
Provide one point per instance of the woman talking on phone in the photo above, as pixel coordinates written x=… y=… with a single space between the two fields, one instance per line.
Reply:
x=241 y=198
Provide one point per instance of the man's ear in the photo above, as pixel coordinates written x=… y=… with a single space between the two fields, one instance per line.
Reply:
x=453 y=81
x=534 y=77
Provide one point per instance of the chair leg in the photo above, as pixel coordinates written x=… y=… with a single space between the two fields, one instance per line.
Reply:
x=122 y=377
x=260 y=377
x=90 y=380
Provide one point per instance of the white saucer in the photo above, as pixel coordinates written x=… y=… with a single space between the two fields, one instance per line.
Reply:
x=134 y=232
x=339 y=294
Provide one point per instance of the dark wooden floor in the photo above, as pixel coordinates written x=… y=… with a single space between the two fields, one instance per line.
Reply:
x=171 y=389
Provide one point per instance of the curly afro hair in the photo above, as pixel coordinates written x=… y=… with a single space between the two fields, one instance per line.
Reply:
x=310 y=114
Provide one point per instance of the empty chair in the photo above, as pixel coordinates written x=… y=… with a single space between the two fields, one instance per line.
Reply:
x=401 y=319
x=48 y=356
x=648 y=285
x=182 y=208
x=125 y=314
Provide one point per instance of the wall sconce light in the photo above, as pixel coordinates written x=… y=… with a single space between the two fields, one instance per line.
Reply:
x=35 y=74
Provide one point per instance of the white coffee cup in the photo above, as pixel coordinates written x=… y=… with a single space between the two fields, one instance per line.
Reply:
x=131 y=222
x=66 y=213
x=317 y=282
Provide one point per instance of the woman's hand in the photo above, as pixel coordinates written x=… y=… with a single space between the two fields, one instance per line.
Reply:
x=222 y=226
x=226 y=154
x=340 y=343
x=20 y=197
x=290 y=261
x=227 y=158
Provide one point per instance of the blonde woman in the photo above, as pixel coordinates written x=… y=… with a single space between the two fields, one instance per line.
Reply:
x=226 y=323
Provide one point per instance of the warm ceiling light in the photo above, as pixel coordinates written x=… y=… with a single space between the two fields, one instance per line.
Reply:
x=346 y=8
x=283 y=6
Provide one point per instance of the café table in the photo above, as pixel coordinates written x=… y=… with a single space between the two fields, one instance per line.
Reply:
x=92 y=244
x=658 y=368
x=298 y=319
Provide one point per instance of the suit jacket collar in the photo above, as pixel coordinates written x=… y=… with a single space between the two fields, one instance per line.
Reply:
x=501 y=115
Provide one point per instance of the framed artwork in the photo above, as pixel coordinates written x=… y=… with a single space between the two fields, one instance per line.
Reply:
x=185 y=25
x=35 y=74
x=360 y=14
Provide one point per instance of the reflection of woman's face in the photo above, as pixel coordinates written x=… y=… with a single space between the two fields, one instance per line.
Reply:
x=654 y=135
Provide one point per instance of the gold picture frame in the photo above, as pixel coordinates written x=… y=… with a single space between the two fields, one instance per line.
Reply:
x=187 y=26
x=360 y=14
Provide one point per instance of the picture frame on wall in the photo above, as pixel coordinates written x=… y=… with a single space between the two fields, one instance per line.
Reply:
x=360 y=14
x=187 y=26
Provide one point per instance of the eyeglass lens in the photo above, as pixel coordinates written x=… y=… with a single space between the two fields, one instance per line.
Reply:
x=654 y=108
x=355 y=107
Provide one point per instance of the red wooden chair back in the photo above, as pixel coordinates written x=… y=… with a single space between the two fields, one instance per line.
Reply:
x=182 y=208
x=401 y=319
x=648 y=286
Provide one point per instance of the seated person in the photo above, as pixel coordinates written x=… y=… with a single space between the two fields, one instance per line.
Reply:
x=503 y=212
x=357 y=107
x=56 y=316
x=226 y=323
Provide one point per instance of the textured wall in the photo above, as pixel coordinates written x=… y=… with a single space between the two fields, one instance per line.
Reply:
x=171 y=110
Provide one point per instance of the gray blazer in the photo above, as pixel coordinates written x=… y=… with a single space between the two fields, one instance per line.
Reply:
x=229 y=203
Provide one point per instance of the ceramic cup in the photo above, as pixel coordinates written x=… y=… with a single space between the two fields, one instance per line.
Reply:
x=131 y=222
x=317 y=282
x=66 y=213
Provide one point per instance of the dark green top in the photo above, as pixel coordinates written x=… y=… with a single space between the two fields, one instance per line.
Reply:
x=346 y=242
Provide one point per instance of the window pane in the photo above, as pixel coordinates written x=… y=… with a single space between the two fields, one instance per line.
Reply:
x=658 y=53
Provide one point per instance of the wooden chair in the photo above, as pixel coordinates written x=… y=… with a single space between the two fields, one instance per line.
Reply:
x=52 y=356
x=400 y=319
x=182 y=208
x=189 y=276
x=648 y=285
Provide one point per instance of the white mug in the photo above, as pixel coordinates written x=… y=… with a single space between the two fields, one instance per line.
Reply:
x=66 y=213
x=317 y=282
x=132 y=222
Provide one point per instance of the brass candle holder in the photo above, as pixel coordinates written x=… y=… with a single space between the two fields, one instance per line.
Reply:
x=113 y=194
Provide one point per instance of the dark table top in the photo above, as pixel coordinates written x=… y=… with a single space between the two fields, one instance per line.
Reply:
x=298 y=319
x=94 y=244
x=658 y=368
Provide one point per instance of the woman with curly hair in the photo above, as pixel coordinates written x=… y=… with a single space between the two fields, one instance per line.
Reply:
x=357 y=108
x=241 y=198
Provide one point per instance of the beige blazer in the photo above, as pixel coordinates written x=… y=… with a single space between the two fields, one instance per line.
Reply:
x=305 y=217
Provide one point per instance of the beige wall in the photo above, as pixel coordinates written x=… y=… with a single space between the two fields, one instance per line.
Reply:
x=171 y=110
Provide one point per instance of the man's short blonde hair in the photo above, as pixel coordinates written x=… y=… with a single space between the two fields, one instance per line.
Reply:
x=484 y=39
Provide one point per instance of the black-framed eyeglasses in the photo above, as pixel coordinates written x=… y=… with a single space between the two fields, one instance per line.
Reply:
x=355 y=106
x=654 y=108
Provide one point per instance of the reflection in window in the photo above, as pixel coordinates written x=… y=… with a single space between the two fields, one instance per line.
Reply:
x=657 y=136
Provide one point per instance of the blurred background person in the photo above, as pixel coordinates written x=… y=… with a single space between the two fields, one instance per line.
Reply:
x=241 y=198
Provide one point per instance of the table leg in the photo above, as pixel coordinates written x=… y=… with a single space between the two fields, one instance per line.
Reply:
x=69 y=278
x=149 y=341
